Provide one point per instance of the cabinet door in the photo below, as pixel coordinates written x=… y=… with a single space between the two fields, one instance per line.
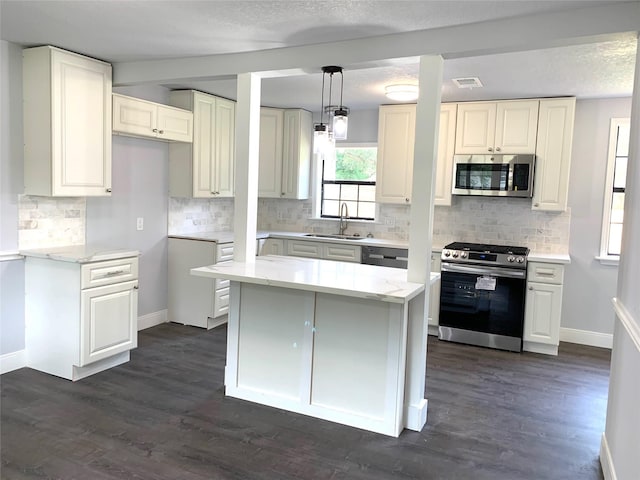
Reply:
x=81 y=124
x=224 y=159
x=516 y=127
x=542 y=313
x=272 y=246
x=475 y=128
x=174 y=124
x=296 y=154
x=109 y=321
x=133 y=116
x=270 y=172
x=303 y=248
x=553 y=154
x=446 y=147
x=396 y=136
x=204 y=144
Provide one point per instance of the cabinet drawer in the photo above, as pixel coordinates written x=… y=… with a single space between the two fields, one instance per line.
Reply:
x=545 y=273
x=344 y=253
x=221 y=302
x=224 y=252
x=109 y=272
x=304 y=249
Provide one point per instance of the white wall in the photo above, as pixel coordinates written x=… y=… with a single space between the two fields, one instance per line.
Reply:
x=589 y=286
x=140 y=184
x=11 y=181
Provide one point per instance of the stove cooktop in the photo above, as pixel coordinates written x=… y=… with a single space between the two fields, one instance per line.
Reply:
x=488 y=248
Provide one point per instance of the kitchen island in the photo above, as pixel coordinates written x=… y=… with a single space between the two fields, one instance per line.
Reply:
x=326 y=339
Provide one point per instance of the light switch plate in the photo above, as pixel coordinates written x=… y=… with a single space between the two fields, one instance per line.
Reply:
x=140 y=223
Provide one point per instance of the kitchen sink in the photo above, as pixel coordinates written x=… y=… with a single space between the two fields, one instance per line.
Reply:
x=334 y=235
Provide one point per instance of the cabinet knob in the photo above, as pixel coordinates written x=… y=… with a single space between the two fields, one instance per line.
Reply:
x=282 y=194
x=135 y=287
x=490 y=149
x=536 y=204
x=530 y=288
x=497 y=148
x=108 y=190
x=160 y=132
x=155 y=130
x=406 y=200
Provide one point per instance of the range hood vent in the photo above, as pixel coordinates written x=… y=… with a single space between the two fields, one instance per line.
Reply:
x=468 y=82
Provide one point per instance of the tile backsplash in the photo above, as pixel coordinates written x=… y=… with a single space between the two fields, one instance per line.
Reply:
x=471 y=219
x=50 y=222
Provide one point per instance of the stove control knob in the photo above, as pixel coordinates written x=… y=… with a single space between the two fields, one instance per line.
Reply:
x=520 y=259
x=446 y=253
x=454 y=254
x=511 y=259
x=463 y=254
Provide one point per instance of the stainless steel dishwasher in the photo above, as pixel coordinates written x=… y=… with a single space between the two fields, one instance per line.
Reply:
x=385 y=256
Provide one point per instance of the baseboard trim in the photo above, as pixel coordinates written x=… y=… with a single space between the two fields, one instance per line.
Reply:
x=632 y=328
x=586 y=337
x=606 y=462
x=152 y=319
x=13 y=361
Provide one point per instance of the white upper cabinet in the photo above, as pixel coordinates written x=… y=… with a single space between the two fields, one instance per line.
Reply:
x=270 y=176
x=396 y=136
x=67 y=124
x=285 y=153
x=553 y=154
x=508 y=127
x=140 y=118
x=446 y=146
x=205 y=168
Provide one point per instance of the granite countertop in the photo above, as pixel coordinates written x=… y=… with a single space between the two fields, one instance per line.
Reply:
x=80 y=253
x=340 y=278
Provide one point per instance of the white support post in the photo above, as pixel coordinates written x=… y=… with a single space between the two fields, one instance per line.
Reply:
x=420 y=234
x=246 y=167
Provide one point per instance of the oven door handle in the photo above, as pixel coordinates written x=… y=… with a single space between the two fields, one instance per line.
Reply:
x=491 y=271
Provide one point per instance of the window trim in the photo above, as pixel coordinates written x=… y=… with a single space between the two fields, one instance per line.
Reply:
x=605 y=258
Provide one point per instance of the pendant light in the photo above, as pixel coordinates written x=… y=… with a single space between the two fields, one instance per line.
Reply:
x=325 y=134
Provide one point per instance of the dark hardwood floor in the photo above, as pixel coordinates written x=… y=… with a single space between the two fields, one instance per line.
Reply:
x=492 y=415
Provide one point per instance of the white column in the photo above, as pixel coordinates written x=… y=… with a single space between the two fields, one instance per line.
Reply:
x=420 y=235
x=246 y=165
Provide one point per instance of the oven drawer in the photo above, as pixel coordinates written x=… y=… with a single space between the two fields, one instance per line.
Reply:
x=545 y=273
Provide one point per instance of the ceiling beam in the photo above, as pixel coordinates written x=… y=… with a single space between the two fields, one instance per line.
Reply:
x=530 y=32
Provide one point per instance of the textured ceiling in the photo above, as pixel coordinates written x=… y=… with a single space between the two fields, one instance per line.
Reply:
x=135 y=30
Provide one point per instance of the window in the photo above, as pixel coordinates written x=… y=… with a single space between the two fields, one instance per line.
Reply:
x=349 y=176
x=615 y=187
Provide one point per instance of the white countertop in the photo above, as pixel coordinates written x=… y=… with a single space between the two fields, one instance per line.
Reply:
x=217 y=237
x=339 y=278
x=80 y=253
x=562 y=258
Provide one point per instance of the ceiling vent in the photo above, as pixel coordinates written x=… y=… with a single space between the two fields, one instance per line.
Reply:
x=467 y=82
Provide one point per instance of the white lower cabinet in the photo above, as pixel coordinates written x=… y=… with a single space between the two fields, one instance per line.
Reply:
x=543 y=308
x=197 y=301
x=328 y=251
x=80 y=318
x=271 y=246
x=434 y=296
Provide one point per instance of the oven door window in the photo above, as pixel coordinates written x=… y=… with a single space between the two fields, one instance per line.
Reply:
x=499 y=311
x=481 y=176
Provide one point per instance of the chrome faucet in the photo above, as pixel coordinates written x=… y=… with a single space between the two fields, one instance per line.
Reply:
x=344 y=214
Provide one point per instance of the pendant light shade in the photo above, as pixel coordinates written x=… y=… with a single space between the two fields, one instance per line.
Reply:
x=325 y=134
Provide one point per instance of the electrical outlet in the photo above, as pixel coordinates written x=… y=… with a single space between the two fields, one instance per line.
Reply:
x=390 y=221
x=140 y=223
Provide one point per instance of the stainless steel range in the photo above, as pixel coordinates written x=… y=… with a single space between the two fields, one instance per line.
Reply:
x=482 y=295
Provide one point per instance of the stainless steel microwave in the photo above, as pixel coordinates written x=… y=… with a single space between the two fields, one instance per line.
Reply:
x=493 y=175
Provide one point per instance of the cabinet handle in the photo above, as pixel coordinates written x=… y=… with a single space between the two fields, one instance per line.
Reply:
x=282 y=194
x=115 y=272
x=497 y=148
x=108 y=190
x=530 y=288
x=155 y=130
x=536 y=204
x=490 y=149
x=160 y=132
x=135 y=287
x=406 y=200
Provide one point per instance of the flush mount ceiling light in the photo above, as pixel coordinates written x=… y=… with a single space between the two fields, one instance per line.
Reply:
x=325 y=134
x=467 y=82
x=402 y=93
